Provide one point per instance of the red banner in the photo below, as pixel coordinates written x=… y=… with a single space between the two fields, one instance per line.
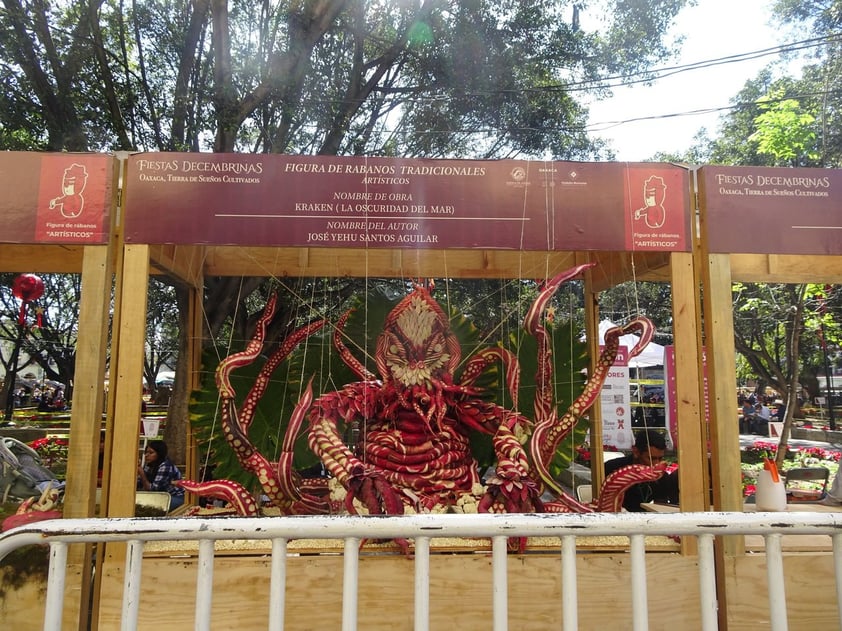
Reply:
x=765 y=210
x=56 y=197
x=273 y=200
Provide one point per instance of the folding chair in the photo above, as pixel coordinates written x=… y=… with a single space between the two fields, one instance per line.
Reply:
x=584 y=493
x=807 y=484
x=154 y=499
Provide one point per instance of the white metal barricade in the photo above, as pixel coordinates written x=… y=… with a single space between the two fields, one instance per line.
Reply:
x=422 y=528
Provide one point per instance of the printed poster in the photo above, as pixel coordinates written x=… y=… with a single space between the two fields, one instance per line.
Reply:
x=616 y=403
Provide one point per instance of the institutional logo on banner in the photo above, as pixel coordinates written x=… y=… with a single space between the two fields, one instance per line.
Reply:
x=616 y=403
x=72 y=197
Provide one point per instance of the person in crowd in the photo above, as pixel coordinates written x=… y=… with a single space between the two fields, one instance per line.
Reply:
x=762 y=416
x=157 y=473
x=747 y=416
x=648 y=449
x=46 y=402
x=59 y=404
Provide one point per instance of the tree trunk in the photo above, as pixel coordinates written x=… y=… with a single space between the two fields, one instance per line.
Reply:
x=791 y=395
x=175 y=432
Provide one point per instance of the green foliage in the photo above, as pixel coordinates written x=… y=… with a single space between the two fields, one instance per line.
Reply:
x=763 y=318
x=52 y=346
x=777 y=109
x=784 y=130
x=625 y=301
x=373 y=77
x=316 y=358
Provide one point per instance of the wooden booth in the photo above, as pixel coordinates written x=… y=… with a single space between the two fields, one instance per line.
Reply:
x=760 y=225
x=58 y=216
x=195 y=215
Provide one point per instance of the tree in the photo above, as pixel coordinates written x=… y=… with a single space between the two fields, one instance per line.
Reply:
x=52 y=344
x=788 y=122
x=162 y=328
x=784 y=131
x=628 y=300
x=433 y=78
x=351 y=77
x=813 y=25
x=377 y=77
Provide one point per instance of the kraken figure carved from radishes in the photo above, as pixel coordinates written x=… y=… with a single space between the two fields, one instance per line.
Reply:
x=414 y=421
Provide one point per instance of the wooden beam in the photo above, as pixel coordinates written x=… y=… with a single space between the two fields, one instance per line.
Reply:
x=86 y=417
x=41 y=259
x=193 y=351
x=779 y=268
x=615 y=268
x=181 y=263
x=88 y=383
x=386 y=263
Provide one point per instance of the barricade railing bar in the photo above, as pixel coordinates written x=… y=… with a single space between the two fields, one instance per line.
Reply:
x=421 y=529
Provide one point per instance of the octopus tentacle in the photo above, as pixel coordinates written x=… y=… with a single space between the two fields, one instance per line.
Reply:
x=289 y=482
x=615 y=486
x=513 y=485
x=247 y=355
x=548 y=434
x=258 y=389
x=532 y=324
x=350 y=360
x=232 y=492
x=480 y=362
x=277 y=480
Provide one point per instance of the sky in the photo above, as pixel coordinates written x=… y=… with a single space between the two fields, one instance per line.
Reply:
x=714 y=29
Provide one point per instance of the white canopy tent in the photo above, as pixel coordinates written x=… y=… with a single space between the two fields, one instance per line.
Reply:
x=652 y=355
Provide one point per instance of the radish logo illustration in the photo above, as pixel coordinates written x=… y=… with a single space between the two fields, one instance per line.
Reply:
x=654 y=194
x=71 y=203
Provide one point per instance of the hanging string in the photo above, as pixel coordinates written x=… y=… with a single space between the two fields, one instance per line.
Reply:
x=635 y=290
x=229 y=345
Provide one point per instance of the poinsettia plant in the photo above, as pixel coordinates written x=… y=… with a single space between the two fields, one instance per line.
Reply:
x=52 y=450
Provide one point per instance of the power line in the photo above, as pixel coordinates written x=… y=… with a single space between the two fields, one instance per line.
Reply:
x=602 y=126
x=648 y=76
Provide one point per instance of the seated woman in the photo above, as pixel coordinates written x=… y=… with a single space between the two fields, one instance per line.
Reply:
x=158 y=473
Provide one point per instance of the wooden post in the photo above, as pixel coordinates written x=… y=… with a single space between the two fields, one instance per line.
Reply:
x=89 y=383
x=86 y=420
x=724 y=430
x=127 y=380
x=690 y=422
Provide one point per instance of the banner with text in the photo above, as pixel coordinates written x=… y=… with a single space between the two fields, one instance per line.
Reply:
x=767 y=210
x=56 y=197
x=330 y=201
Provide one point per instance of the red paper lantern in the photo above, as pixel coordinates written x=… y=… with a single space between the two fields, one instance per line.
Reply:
x=27 y=287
